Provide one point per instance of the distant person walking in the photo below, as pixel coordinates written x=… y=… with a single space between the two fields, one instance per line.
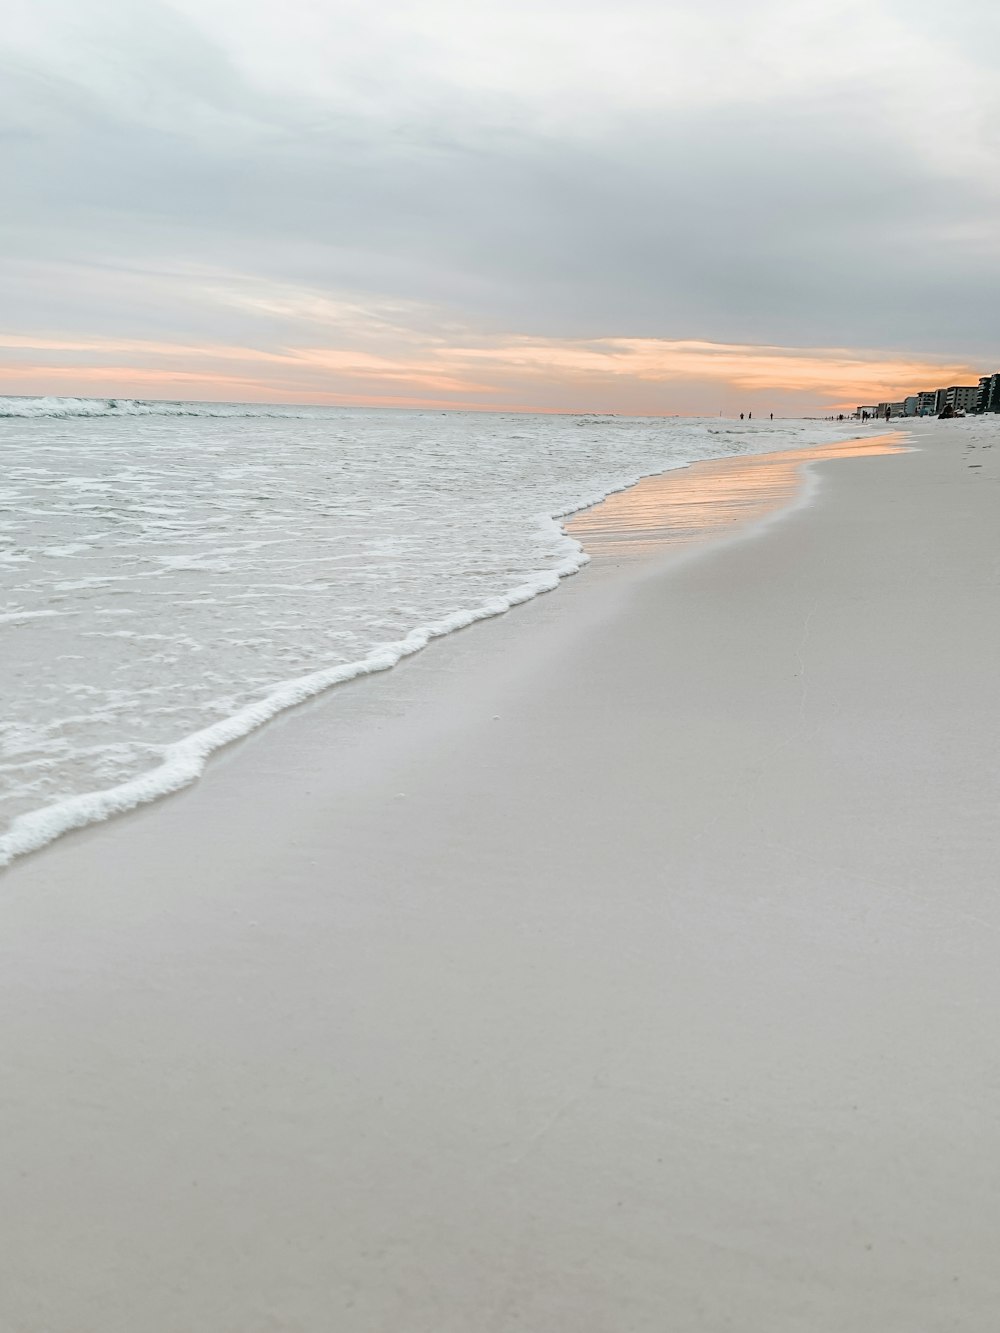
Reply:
x=741 y=416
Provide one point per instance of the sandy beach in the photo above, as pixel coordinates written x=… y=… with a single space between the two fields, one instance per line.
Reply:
x=625 y=963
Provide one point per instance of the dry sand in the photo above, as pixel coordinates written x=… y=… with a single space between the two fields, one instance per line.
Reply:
x=628 y=963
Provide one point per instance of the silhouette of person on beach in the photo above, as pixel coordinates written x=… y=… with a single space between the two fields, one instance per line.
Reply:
x=772 y=416
x=741 y=416
x=749 y=416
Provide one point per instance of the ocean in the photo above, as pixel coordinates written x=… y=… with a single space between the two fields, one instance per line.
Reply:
x=174 y=574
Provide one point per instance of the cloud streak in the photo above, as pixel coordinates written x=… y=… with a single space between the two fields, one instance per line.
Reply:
x=618 y=374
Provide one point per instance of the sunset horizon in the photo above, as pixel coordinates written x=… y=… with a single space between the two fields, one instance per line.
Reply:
x=360 y=207
x=614 y=375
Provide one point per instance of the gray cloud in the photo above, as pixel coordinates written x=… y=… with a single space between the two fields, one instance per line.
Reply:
x=813 y=218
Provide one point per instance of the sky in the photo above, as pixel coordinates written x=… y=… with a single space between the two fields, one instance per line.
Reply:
x=651 y=206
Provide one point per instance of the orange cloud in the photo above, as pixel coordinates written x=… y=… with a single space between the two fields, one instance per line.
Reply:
x=644 y=375
x=820 y=371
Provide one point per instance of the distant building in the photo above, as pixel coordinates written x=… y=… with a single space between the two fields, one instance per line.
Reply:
x=981 y=397
x=989 y=393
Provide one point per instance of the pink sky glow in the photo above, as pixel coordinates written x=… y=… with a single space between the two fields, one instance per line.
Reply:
x=625 y=375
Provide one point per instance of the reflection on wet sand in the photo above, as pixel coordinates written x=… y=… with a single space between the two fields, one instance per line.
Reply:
x=697 y=503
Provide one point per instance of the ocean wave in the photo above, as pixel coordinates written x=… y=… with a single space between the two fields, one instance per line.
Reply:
x=408 y=528
x=135 y=407
x=184 y=761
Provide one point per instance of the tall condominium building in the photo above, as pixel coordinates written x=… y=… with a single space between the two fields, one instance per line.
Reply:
x=989 y=393
x=959 y=397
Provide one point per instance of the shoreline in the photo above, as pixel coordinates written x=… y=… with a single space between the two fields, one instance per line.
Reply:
x=185 y=760
x=628 y=963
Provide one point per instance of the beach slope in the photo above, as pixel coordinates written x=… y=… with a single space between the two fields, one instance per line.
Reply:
x=625 y=963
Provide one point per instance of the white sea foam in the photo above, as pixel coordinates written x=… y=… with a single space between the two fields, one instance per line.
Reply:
x=21 y=617
x=261 y=561
x=56 y=408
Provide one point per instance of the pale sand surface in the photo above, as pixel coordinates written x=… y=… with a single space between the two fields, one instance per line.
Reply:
x=627 y=963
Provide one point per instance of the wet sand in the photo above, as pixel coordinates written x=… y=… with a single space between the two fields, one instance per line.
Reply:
x=626 y=963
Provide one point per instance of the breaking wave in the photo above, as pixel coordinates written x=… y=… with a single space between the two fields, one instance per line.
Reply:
x=169 y=586
x=136 y=407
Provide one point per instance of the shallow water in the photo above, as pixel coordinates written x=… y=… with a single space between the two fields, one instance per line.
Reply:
x=685 y=508
x=172 y=574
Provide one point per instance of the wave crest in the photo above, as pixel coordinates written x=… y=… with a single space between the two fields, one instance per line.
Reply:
x=133 y=407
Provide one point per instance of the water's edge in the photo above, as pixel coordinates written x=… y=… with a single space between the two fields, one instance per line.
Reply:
x=185 y=760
